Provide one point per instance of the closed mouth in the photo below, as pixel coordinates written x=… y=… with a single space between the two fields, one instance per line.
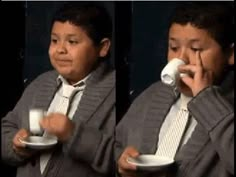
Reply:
x=63 y=62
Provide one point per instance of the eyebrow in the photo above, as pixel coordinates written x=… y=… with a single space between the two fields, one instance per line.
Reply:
x=54 y=34
x=172 y=39
x=68 y=35
x=191 y=40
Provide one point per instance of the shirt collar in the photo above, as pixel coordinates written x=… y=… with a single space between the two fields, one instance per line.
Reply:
x=61 y=79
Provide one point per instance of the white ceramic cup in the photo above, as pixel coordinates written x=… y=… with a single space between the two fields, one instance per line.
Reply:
x=170 y=73
x=35 y=115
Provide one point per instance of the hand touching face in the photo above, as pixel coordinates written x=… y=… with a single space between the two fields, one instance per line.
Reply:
x=197 y=78
x=202 y=54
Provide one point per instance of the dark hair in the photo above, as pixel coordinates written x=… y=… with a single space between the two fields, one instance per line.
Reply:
x=91 y=16
x=217 y=18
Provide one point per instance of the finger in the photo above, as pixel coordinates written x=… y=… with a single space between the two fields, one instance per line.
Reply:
x=131 y=151
x=198 y=59
x=49 y=124
x=21 y=134
x=128 y=152
x=45 y=122
x=187 y=80
x=17 y=142
x=199 y=67
x=124 y=165
x=188 y=69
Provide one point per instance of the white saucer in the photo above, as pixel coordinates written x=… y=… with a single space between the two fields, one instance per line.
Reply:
x=39 y=142
x=150 y=162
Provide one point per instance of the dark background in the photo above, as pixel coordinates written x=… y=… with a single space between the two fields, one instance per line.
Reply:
x=150 y=22
x=12 y=60
x=138 y=52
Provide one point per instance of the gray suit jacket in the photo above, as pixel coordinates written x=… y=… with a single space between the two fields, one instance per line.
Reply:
x=89 y=151
x=209 y=151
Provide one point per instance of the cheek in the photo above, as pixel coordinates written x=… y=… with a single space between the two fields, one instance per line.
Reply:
x=83 y=57
x=79 y=60
x=170 y=55
x=216 y=64
x=51 y=52
x=211 y=60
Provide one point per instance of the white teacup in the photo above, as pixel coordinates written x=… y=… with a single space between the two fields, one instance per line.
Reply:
x=35 y=115
x=170 y=73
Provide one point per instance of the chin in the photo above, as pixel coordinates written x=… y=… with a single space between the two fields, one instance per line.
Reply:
x=64 y=71
x=186 y=92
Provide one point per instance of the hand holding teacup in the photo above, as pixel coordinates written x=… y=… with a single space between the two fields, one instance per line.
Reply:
x=20 y=148
x=200 y=77
x=133 y=164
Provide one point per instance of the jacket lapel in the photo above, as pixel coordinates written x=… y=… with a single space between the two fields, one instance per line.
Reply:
x=196 y=142
x=161 y=102
x=46 y=92
x=98 y=86
x=44 y=96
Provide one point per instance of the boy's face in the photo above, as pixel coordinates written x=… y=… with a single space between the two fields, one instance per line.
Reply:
x=72 y=53
x=186 y=40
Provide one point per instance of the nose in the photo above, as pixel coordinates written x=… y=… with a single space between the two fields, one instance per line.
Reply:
x=185 y=56
x=61 y=48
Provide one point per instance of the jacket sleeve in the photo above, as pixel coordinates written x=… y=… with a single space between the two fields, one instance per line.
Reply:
x=129 y=122
x=216 y=114
x=9 y=128
x=128 y=130
x=12 y=123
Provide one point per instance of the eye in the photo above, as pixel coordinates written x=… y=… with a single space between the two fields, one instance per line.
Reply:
x=195 y=49
x=54 y=41
x=73 y=42
x=173 y=48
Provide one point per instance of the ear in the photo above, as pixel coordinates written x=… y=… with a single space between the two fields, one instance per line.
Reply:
x=104 y=47
x=231 y=57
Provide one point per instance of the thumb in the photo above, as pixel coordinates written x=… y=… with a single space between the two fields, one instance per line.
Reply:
x=23 y=133
x=132 y=152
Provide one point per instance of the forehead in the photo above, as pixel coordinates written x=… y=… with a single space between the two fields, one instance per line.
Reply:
x=188 y=32
x=63 y=28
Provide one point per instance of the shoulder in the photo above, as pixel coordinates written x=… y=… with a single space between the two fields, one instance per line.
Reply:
x=47 y=76
x=44 y=78
x=102 y=76
x=110 y=76
x=157 y=88
x=154 y=94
